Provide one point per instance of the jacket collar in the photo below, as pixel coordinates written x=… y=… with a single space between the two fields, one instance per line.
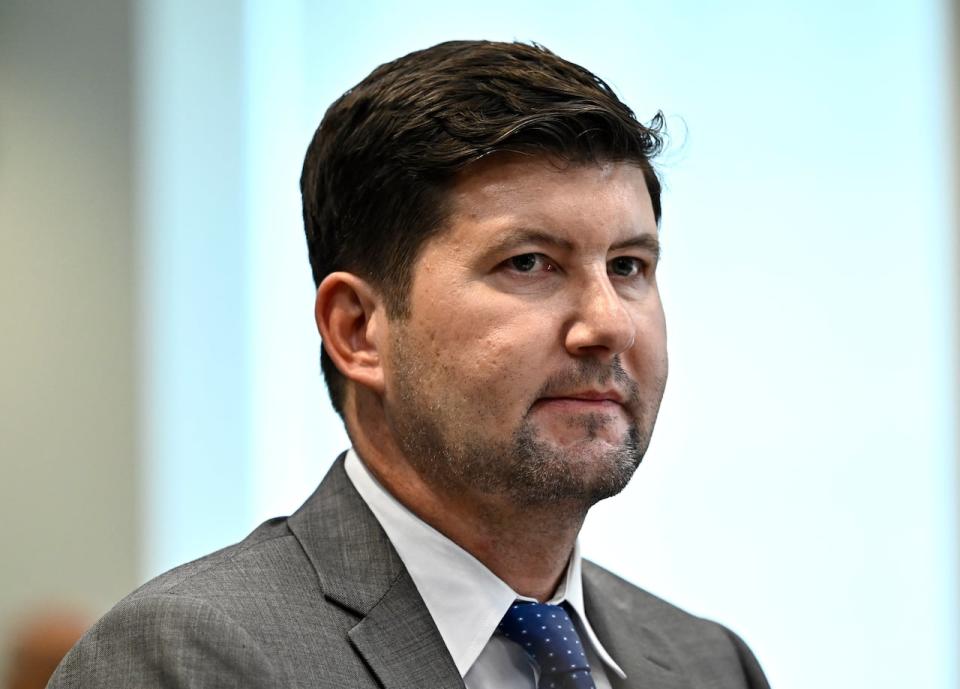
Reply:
x=619 y=619
x=358 y=569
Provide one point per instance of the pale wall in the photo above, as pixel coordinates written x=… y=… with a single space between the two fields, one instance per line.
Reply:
x=68 y=449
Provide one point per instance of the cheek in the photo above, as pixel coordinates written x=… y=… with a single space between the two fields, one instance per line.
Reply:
x=487 y=353
x=649 y=355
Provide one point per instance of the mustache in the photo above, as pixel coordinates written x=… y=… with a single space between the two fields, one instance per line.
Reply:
x=590 y=373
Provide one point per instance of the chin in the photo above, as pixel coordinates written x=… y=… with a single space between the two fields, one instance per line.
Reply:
x=585 y=471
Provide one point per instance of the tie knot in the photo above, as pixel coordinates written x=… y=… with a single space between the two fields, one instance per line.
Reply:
x=547 y=634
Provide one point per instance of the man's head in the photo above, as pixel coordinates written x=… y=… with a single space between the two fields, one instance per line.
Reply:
x=377 y=173
x=438 y=186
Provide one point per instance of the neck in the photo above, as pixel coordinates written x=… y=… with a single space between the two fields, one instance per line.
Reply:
x=527 y=546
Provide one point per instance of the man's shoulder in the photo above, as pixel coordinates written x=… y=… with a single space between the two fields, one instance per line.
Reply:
x=265 y=559
x=234 y=616
x=256 y=584
x=641 y=622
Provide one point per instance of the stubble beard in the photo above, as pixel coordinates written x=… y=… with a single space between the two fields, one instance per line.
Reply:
x=448 y=452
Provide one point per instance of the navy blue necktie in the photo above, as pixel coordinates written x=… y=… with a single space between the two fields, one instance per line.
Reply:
x=547 y=634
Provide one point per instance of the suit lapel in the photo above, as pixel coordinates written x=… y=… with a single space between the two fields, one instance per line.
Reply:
x=643 y=654
x=359 y=570
x=400 y=642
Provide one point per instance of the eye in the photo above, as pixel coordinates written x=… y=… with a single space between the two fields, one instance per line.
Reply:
x=528 y=263
x=627 y=266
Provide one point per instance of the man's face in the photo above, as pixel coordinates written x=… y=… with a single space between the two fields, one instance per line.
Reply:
x=533 y=358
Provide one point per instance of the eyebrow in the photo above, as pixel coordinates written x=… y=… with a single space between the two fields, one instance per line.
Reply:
x=518 y=237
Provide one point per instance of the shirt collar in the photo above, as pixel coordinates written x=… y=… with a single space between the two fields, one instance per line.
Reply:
x=465 y=599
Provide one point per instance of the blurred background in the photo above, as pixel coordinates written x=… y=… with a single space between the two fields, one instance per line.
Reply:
x=160 y=391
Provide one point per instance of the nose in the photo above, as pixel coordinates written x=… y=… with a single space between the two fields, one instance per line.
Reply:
x=602 y=327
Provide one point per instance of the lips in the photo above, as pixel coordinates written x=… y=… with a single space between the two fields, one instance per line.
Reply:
x=588 y=396
x=588 y=400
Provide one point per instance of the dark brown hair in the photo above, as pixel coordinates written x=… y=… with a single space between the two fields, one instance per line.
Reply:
x=376 y=172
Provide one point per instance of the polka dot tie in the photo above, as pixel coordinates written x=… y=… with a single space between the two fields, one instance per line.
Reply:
x=547 y=634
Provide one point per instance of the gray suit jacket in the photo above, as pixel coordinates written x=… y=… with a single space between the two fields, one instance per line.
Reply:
x=321 y=599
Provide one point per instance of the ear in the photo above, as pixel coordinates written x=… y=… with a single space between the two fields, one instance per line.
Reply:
x=350 y=317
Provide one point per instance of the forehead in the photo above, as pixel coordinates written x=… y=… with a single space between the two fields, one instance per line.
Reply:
x=589 y=204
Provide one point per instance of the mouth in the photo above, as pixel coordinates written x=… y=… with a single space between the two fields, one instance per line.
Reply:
x=583 y=401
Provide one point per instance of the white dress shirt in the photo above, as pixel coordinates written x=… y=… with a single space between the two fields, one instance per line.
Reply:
x=467 y=600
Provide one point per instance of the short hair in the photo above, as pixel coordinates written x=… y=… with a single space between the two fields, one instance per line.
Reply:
x=378 y=168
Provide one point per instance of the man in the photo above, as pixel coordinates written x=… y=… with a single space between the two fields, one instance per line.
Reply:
x=482 y=226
